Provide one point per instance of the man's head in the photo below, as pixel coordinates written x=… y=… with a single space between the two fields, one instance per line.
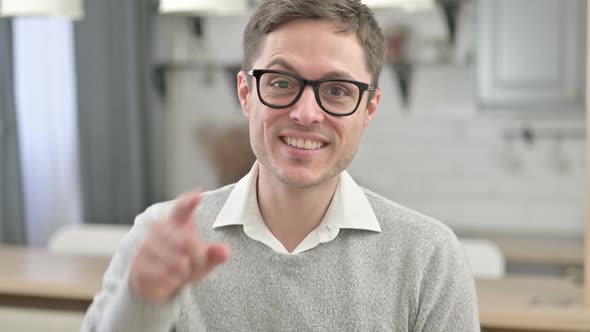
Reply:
x=307 y=87
x=351 y=17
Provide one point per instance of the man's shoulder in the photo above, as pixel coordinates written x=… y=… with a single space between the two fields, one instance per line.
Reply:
x=217 y=197
x=413 y=234
x=396 y=218
x=211 y=201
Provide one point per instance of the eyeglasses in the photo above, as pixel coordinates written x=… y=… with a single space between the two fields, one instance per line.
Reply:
x=280 y=89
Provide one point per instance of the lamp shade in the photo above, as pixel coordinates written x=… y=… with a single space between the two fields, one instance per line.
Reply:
x=68 y=8
x=204 y=7
x=408 y=5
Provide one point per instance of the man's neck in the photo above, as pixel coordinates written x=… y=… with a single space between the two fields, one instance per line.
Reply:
x=292 y=213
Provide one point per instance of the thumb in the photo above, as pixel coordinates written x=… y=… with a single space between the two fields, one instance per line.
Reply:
x=216 y=254
x=184 y=207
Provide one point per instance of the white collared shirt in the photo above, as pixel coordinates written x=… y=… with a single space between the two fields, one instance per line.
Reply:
x=349 y=208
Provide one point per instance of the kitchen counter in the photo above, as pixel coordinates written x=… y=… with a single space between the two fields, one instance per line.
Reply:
x=542 y=250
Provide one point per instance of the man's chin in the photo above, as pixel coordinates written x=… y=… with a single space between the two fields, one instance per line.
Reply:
x=302 y=181
x=302 y=176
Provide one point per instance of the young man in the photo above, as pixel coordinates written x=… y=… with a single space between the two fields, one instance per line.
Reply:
x=310 y=250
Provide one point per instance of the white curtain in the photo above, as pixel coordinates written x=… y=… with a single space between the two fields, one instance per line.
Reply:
x=46 y=111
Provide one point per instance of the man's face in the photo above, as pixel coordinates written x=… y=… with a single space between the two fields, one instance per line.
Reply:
x=313 y=50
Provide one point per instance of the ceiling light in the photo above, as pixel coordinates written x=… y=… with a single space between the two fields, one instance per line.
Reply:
x=67 y=8
x=204 y=7
x=408 y=5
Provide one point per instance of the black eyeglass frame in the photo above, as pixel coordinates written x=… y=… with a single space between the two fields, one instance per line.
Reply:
x=257 y=73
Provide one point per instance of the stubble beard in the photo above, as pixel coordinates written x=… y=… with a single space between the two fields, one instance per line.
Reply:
x=327 y=175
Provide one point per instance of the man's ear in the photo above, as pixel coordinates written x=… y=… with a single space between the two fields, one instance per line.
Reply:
x=243 y=92
x=372 y=107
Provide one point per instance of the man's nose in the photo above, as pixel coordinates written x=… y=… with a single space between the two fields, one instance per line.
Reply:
x=307 y=110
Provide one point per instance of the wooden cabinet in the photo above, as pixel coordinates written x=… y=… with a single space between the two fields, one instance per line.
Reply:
x=531 y=54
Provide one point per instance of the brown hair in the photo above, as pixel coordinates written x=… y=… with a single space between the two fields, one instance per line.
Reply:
x=351 y=16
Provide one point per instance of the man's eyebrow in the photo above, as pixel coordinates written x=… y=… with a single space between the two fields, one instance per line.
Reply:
x=282 y=63
x=336 y=74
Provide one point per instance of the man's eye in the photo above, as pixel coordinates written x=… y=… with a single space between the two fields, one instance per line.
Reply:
x=281 y=84
x=337 y=92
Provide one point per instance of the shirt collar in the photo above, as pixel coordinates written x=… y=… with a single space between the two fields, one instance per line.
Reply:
x=355 y=209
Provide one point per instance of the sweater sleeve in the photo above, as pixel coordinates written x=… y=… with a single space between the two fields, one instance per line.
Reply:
x=116 y=307
x=447 y=296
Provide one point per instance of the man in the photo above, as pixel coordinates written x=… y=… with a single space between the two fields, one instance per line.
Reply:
x=310 y=250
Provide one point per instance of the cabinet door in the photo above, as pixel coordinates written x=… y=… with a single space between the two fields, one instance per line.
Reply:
x=531 y=53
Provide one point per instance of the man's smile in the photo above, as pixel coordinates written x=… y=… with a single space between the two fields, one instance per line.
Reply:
x=303 y=143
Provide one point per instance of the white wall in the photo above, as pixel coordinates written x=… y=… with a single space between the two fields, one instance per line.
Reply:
x=443 y=156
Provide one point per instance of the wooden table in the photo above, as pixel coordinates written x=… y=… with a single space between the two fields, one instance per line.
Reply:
x=31 y=277
x=35 y=278
x=532 y=304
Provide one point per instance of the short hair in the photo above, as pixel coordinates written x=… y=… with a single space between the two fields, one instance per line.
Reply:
x=351 y=16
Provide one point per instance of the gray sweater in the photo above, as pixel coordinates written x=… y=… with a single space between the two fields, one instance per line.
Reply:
x=410 y=277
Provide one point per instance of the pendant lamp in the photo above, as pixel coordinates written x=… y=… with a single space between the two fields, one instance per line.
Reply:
x=408 y=5
x=204 y=7
x=66 y=8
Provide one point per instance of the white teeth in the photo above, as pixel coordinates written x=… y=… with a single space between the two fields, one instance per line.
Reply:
x=303 y=144
x=300 y=143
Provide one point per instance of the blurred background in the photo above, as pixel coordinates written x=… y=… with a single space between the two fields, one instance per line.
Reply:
x=481 y=126
x=121 y=104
